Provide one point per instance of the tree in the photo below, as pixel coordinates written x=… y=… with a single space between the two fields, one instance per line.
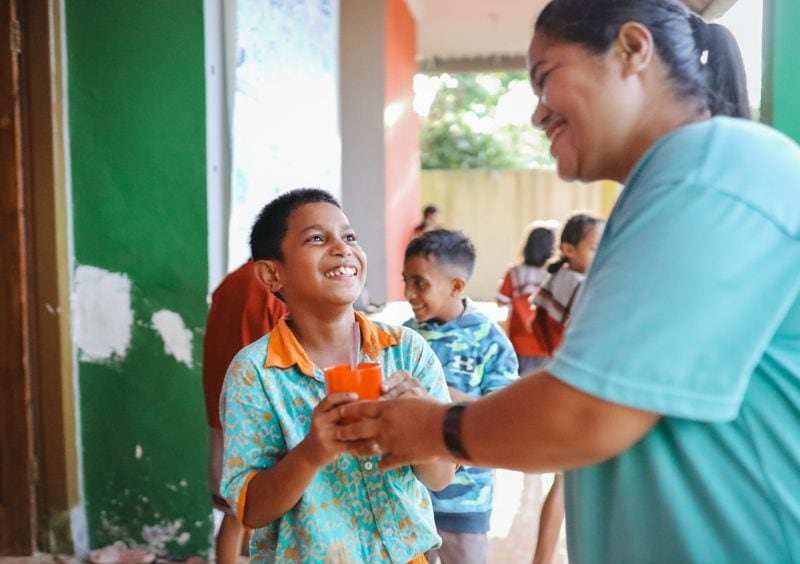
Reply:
x=478 y=120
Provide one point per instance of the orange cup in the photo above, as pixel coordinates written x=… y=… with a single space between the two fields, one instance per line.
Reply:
x=364 y=380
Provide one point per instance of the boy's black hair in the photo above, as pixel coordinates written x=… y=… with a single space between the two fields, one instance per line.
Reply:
x=450 y=248
x=539 y=247
x=271 y=224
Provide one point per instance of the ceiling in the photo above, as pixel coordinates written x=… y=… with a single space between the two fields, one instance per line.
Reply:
x=482 y=35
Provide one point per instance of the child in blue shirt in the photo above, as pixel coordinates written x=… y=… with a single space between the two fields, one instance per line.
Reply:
x=285 y=473
x=477 y=358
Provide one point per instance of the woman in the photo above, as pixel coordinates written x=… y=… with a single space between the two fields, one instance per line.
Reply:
x=674 y=401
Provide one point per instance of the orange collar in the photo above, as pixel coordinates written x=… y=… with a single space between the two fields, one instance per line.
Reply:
x=284 y=351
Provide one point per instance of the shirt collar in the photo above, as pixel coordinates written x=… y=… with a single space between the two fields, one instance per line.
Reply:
x=283 y=349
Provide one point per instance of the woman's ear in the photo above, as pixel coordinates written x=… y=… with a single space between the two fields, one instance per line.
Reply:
x=635 y=47
x=268 y=274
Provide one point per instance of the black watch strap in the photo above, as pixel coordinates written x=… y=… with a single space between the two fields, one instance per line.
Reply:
x=452 y=430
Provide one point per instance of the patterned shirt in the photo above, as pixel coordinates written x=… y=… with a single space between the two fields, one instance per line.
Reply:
x=478 y=359
x=350 y=512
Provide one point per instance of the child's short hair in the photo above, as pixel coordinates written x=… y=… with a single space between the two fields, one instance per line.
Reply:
x=271 y=224
x=450 y=248
x=539 y=247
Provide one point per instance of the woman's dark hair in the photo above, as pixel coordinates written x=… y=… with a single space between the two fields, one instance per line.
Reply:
x=704 y=60
x=539 y=246
x=575 y=229
x=270 y=226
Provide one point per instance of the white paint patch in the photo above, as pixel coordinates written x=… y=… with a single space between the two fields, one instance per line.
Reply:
x=103 y=314
x=138 y=451
x=177 y=338
x=157 y=536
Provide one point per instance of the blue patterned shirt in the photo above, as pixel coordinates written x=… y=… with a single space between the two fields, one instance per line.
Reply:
x=350 y=511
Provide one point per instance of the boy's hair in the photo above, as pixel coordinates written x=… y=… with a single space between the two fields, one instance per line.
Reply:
x=539 y=246
x=271 y=224
x=450 y=248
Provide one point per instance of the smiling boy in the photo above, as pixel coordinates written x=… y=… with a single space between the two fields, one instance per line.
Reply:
x=477 y=358
x=285 y=472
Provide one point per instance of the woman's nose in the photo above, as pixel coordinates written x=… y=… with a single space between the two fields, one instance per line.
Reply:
x=540 y=115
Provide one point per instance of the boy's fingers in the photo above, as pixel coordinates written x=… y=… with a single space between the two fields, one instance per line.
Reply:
x=390 y=461
x=363 y=448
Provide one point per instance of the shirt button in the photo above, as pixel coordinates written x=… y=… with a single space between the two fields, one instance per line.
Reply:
x=368 y=466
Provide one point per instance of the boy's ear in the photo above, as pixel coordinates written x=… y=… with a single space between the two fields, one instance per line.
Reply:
x=457 y=286
x=268 y=274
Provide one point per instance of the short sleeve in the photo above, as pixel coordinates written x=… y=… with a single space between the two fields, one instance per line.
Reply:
x=253 y=437
x=500 y=365
x=505 y=291
x=688 y=287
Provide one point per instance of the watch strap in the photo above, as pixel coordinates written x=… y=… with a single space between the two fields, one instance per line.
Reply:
x=451 y=430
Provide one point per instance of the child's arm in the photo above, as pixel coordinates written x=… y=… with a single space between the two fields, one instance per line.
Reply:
x=272 y=492
x=550 y=522
x=436 y=475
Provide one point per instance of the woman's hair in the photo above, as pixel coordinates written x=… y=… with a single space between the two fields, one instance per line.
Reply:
x=575 y=229
x=704 y=60
x=539 y=246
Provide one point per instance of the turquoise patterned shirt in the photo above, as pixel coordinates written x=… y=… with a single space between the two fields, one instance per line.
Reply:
x=350 y=512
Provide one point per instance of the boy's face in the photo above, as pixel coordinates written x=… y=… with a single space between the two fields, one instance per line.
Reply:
x=323 y=261
x=434 y=294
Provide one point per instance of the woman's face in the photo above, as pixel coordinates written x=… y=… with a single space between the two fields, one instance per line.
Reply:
x=585 y=106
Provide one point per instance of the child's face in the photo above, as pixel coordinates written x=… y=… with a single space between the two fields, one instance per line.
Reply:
x=580 y=256
x=434 y=294
x=322 y=258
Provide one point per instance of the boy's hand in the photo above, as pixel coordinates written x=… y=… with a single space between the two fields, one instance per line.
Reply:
x=401 y=384
x=321 y=444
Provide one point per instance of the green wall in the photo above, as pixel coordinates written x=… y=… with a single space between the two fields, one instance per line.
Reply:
x=137 y=136
x=782 y=51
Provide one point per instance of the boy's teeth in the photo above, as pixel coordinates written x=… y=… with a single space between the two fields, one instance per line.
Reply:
x=341 y=271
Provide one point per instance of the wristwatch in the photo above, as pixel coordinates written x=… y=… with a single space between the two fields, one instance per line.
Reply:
x=451 y=430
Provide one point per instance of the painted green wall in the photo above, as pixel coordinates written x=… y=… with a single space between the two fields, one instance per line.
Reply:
x=784 y=68
x=137 y=136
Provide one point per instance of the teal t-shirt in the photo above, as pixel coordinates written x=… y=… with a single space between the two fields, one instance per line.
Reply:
x=692 y=310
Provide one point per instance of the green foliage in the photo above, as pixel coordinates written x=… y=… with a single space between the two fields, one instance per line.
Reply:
x=463 y=128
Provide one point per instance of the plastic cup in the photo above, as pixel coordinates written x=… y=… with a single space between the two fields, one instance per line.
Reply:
x=364 y=381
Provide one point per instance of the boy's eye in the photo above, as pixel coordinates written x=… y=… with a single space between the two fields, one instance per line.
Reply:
x=351 y=237
x=314 y=238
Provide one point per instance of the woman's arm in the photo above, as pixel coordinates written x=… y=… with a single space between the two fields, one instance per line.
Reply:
x=537 y=424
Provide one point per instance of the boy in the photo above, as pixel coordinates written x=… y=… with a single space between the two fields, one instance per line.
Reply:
x=285 y=472
x=477 y=358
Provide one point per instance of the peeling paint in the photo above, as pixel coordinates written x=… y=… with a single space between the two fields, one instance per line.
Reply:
x=103 y=314
x=177 y=338
x=157 y=536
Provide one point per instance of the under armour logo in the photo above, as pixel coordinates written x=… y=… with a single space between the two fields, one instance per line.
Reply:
x=464 y=364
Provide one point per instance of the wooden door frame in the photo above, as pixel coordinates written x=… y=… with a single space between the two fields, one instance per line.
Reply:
x=17 y=480
x=37 y=410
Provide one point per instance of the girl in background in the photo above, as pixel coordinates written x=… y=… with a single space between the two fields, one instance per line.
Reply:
x=519 y=284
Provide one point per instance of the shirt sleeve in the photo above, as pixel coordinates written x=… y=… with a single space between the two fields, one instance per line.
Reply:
x=253 y=437
x=500 y=365
x=686 y=292
x=504 y=292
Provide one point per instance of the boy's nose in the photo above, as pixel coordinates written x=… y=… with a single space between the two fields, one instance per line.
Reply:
x=342 y=248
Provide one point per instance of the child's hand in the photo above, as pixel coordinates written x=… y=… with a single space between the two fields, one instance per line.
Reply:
x=320 y=444
x=401 y=384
